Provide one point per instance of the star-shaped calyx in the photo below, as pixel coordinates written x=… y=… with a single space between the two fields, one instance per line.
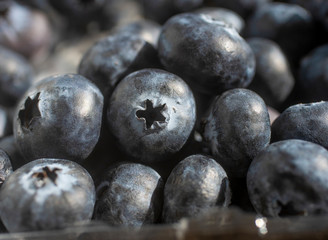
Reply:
x=151 y=114
x=30 y=111
x=45 y=173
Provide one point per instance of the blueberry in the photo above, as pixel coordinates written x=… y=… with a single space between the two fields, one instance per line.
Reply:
x=208 y=54
x=286 y=24
x=130 y=195
x=16 y=76
x=59 y=117
x=227 y=16
x=273 y=79
x=237 y=129
x=289 y=178
x=151 y=113
x=24 y=30
x=312 y=77
x=5 y=167
x=113 y=57
x=196 y=184
x=46 y=194
x=303 y=121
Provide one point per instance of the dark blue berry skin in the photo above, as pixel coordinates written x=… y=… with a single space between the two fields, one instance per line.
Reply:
x=5 y=167
x=237 y=129
x=196 y=184
x=289 y=25
x=273 y=79
x=208 y=54
x=303 y=121
x=46 y=194
x=151 y=113
x=59 y=117
x=227 y=16
x=131 y=194
x=243 y=7
x=289 y=178
x=312 y=75
x=16 y=76
x=8 y=144
x=112 y=58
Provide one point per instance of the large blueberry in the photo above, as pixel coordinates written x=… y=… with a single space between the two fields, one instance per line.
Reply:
x=151 y=113
x=46 y=194
x=273 y=79
x=303 y=121
x=208 y=54
x=196 y=184
x=59 y=117
x=237 y=129
x=289 y=178
x=130 y=195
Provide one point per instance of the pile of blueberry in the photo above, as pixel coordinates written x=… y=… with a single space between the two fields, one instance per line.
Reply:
x=161 y=110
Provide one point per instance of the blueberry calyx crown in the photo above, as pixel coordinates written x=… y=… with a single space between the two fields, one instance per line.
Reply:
x=151 y=114
x=45 y=173
x=30 y=111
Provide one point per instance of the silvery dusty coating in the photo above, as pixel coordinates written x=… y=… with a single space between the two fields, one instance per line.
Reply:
x=151 y=113
x=46 y=194
x=16 y=76
x=307 y=122
x=207 y=53
x=113 y=57
x=194 y=185
x=237 y=129
x=59 y=117
x=289 y=178
x=5 y=167
x=232 y=19
x=131 y=194
x=273 y=79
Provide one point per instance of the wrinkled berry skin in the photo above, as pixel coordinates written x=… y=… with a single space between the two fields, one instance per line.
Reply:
x=273 y=79
x=289 y=178
x=5 y=167
x=131 y=195
x=227 y=16
x=303 y=121
x=16 y=76
x=237 y=129
x=289 y=25
x=197 y=183
x=112 y=58
x=151 y=113
x=208 y=54
x=313 y=76
x=59 y=117
x=46 y=194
